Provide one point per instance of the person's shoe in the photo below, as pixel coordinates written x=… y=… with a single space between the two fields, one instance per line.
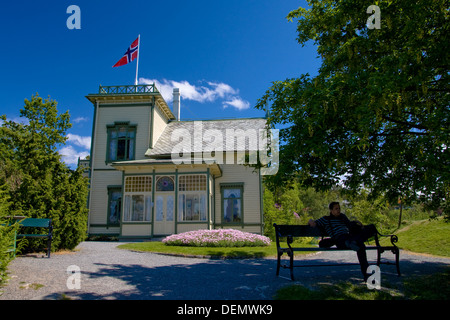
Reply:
x=352 y=245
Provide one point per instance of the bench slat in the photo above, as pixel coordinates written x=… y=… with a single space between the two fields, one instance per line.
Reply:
x=297 y=231
x=35 y=223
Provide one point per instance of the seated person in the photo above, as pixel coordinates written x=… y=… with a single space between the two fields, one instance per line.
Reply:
x=346 y=234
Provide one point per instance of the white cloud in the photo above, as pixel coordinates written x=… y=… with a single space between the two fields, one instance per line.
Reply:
x=209 y=92
x=71 y=151
x=223 y=89
x=70 y=155
x=84 y=142
x=237 y=102
x=80 y=119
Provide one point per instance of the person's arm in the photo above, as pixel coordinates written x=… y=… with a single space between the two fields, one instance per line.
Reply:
x=312 y=223
x=317 y=223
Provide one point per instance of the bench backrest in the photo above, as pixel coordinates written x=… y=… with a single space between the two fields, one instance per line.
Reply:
x=35 y=223
x=285 y=230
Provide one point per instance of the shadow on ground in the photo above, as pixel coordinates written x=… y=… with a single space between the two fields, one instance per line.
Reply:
x=233 y=279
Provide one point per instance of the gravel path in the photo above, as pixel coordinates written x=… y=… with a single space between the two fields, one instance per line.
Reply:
x=111 y=273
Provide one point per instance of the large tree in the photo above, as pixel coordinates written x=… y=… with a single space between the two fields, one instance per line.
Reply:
x=377 y=113
x=39 y=184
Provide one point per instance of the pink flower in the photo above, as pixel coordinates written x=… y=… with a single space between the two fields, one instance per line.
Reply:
x=217 y=238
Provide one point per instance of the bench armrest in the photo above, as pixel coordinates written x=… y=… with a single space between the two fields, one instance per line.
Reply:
x=394 y=238
x=289 y=240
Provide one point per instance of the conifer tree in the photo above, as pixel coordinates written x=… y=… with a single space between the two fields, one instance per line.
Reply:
x=40 y=184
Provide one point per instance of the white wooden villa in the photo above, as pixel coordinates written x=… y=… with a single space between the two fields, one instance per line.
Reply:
x=140 y=188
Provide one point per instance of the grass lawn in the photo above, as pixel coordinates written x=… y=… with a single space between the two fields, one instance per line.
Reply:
x=429 y=287
x=425 y=236
x=336 y=291
x=215 y=252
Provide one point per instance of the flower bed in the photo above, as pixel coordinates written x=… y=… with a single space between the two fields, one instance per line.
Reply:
x=217 y=238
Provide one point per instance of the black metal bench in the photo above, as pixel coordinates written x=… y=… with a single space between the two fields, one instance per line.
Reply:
x=38 y=223
x=294 y=231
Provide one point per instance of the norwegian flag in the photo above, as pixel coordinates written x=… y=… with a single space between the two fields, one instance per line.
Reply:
x=130 y=55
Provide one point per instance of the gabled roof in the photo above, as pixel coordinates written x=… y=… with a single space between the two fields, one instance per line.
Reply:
x=187 y=135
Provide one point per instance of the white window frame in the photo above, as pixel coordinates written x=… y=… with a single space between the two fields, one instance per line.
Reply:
x=142 y=188
x=192 y=197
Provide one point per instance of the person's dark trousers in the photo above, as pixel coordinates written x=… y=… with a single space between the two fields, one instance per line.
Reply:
x=359 y=237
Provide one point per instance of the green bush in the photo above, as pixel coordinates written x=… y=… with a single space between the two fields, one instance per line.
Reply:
x=40 y=185
x=62 y=198
x=7 y=231
x=292 y=204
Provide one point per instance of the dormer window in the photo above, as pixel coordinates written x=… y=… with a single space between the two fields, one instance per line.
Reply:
x=121 y=141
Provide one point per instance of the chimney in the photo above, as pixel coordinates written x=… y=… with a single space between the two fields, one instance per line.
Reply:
x=176 y=103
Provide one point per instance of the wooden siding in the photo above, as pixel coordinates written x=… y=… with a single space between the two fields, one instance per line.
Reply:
x=98 y=202
x=159 y=124
x=191 y=227
x=234 y=173
x=135 y=229
x=139 y=116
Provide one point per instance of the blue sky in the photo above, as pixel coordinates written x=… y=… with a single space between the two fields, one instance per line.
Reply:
x=222 y=54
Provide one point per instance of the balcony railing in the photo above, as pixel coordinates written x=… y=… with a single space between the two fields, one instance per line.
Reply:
x=130 y=89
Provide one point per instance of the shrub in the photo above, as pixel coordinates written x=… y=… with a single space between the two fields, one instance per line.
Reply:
x=39 y=184
x=217 y=238
x=7 y=231
x=6 y=241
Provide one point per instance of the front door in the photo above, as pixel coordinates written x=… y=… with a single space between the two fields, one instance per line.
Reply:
x=164 y=213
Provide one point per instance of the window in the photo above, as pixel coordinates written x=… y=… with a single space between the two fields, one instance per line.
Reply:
x=138 y=184
x=232 y=203
x=169 y=208
x=121 y=141
x=165 y=183
x=195 y=182
x=192 y=207
x=114 y=205
x=192 y=204
x=138 y=199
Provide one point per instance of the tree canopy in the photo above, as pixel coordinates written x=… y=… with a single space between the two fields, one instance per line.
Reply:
x=377 y=113
x=38 y=184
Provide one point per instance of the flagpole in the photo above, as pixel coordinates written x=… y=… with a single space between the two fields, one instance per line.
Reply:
x=137 y=62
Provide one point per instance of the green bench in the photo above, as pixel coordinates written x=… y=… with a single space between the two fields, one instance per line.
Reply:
x=297 y=231
x=37 y=223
